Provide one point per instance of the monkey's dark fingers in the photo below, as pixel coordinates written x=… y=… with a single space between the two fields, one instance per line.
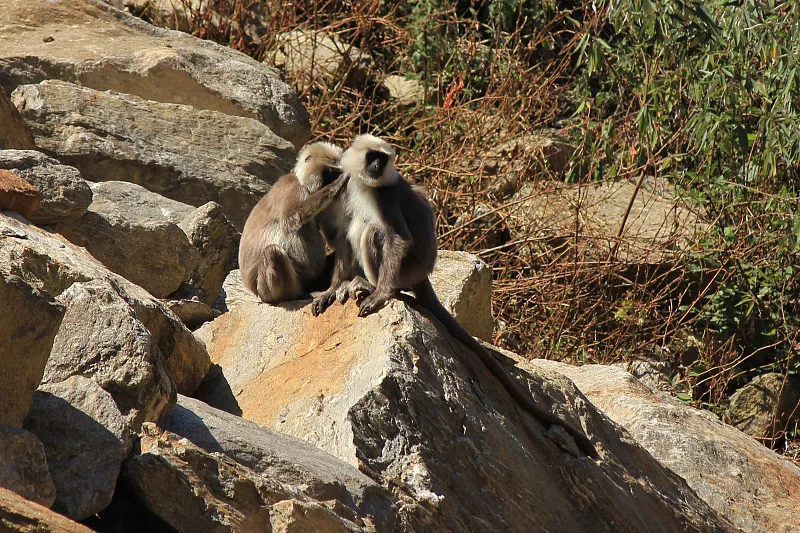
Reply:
x=322 y=302
x=371 y=303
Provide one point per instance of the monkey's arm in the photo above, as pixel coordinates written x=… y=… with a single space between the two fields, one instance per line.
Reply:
x=315 y=203
x=394 y=243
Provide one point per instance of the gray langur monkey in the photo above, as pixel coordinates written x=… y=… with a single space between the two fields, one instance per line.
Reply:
x=282 y=252
x=387 y=224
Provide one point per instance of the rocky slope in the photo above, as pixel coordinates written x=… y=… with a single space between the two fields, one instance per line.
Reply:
x=129 y=156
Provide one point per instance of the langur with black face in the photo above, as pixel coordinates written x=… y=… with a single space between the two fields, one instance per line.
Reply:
x=282 y=252
x=386 y=230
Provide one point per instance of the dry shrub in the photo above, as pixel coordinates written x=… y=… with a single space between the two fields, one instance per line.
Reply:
x=487 y=135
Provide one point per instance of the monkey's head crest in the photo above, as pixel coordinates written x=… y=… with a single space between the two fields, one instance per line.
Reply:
x=371 y=161
x=317 y=165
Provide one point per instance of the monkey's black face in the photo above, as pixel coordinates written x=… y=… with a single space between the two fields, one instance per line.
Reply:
x=375 y=163
x=329 y=175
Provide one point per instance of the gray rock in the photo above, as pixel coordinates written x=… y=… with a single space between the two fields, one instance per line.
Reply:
x=50 y=264
x=404 y=91
x=65 y=194
x=194 y=490
x=217 y=241
x=193 y=313
x=14 y=134
x=294 y=462
x=101 y=338
x=463 y=284
x=18 y=515
x=234 y=293
x=97 y=46
x=175 y=150
x=85 y=438
x=396 y=397
x=742 y=480
x=29 y=321
x=132 y=240
x=321 y=55
x=766 y=406
x=23 y=466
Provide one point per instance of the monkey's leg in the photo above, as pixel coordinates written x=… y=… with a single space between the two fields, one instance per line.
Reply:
x=343 y=265
x=277 y=280
x=382 y=253
x=315 y=203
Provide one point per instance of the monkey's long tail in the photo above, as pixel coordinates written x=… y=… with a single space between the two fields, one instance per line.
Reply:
x=427 y=297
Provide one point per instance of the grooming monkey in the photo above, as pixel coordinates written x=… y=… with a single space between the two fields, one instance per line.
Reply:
x=387 y=224
x=282 y=252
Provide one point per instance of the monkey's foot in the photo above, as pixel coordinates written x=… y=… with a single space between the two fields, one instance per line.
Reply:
x=323 y=301
x=372 y=303
x=358 y=289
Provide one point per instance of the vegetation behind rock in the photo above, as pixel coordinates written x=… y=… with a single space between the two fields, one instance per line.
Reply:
x=500 y=102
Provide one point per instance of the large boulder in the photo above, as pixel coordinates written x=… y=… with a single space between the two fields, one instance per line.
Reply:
x=23 y=466
x=29 y=321
x=18 y=515
x=50 y=264
x=400 y=399
x=97 y=46
x=101 y=338
x=316 y=55
x=65 y=194
x=186 y=154
x=742 y=480
x=131 y=240
x=85 y=439
x=306 y=468
x=196 y=490
x=14 y=133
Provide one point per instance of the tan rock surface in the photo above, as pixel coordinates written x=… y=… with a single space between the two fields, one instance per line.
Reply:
x=18 y=195
x=742 y=480
x=403 y=401
x=100 y=47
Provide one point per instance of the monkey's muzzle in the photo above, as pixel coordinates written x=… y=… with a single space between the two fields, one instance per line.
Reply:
x=376 y=162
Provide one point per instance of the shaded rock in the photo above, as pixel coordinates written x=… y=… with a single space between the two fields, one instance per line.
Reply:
x=97 y=46
x=217 y=241
x=294 y=462
x=393 y=395
x=234 y=293
x=14 y=135
x=193 y=313
x=766 y=406
x=657 y=226
x=194 y=490
x=101 y=338
x=18 y=195
x=29 y=321
x=18 y=515
x=319 y=54
x=175 y=150
x=463 y=284
x=50 y=264
x=85 y=438
x=742 y=480
x=65 y=194
x=23 y=466
x=132 y=240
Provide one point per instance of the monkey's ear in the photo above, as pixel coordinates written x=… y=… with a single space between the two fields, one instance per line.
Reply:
x=308 y=158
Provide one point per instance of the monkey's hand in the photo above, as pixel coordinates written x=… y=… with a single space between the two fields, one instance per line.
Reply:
x=337 y=186
x=323 y=301
x=372 y=303
x=357 y=290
